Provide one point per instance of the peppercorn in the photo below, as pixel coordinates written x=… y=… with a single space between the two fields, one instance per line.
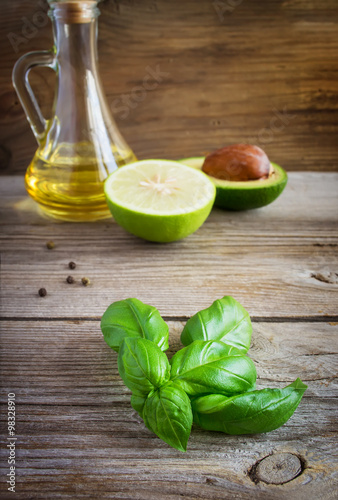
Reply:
x=70 y=279
x=72 y=265
x=50 y=245
x=85 y=281
x=42 y=292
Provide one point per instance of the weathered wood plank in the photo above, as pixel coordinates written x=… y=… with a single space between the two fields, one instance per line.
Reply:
x=197 y=475
x=289 y=282
x=75 y=352
x=286 y=265
x=77 y=434
x=193 y=484
x=231 y=68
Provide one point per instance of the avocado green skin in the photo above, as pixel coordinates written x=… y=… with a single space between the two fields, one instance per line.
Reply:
x=244 y=195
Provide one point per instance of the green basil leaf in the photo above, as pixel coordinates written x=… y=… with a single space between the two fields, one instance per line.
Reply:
x=167 y=412
x=132 y=318
x=225 y=320
x=137 y=403
x=249 y=413
x=142 y=365
x=212 y=367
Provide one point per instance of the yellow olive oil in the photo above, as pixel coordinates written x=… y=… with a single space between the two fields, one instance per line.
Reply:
x=70 y=186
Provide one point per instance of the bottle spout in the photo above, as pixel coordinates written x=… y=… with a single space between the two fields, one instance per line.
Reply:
x=74 y=11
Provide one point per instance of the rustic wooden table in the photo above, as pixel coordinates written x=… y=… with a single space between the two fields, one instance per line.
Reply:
x=77 y=436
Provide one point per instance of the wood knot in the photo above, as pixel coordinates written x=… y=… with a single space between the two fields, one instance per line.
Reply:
x=211 y=481
x=326 y=277
x=10 y=108
x=279 y=468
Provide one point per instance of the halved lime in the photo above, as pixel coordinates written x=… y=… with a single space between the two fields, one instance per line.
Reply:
x=244 y=195
x=159 y=200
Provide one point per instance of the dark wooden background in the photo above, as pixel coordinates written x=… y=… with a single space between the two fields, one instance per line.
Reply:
x=233 y=67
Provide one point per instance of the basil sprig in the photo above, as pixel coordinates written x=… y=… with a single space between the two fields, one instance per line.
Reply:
x=211 y=381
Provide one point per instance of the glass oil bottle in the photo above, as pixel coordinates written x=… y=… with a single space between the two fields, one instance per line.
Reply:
x=81 y=144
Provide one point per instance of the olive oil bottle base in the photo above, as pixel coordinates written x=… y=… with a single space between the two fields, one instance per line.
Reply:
x=72 y=212
x=71 y=190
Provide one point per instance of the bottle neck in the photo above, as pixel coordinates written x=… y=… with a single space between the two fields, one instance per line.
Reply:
x=76 y=46
x=75 y=33
x=79 y=96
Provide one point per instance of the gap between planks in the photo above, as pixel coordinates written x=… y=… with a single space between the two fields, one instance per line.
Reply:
x=254 y=319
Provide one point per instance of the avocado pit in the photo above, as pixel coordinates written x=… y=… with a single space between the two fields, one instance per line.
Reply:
x=238 y=163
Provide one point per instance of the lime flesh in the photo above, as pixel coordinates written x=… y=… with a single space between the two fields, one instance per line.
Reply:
x=159 y=200
x=244 y=195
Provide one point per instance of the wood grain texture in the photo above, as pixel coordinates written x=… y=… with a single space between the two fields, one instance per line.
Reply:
x=280 y=261
x=78 y=435
x=232 y=69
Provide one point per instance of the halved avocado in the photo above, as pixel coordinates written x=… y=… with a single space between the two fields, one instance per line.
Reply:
x=244 y=195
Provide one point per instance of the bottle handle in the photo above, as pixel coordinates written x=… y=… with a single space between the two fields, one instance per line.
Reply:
x=24 y=90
